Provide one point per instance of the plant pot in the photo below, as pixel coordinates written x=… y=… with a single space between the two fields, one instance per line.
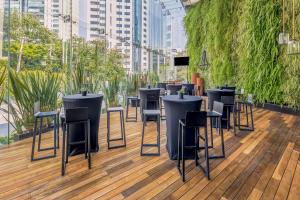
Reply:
x=200 y=86
x=194 y=77
x=84 y=93
x=180 y=95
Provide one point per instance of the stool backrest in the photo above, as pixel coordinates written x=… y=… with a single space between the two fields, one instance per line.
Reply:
x=218 y=107
x=36 y=107
x=153 y=97
x=227 y=100
x=196 y=119
x=76 y=114
x=173 y=88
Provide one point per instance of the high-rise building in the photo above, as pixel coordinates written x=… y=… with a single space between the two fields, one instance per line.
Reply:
x=119 y=27
x=147 y=35
x=92 y=19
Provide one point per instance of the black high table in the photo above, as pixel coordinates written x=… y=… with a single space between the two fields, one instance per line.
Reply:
x=144 y=92
x=215 y=95
x=176 y=109
x=93 y=102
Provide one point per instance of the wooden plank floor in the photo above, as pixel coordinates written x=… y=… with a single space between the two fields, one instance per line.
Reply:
x=263 y=164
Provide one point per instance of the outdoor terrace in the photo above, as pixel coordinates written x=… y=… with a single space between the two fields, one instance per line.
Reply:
x=264 y=164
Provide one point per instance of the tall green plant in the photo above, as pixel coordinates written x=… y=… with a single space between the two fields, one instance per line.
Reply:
x=2 y=79
x=28 y=87
x=240 y=37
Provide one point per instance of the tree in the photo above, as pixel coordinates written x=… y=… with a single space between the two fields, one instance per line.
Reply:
x=32 y=45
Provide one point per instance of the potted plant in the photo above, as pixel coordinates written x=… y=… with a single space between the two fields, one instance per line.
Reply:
x=83 y=91
x=181 y=93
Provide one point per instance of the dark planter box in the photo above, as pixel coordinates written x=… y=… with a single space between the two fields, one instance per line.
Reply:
x=279 y=108
x=135 y=103
x=28 y=134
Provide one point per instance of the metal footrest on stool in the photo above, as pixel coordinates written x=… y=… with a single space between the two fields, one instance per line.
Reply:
x=147 y=113
x=123 y=136
x=129 y=101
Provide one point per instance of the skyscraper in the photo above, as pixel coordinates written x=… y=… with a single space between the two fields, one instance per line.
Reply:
x=119 y=21
x=92 y=19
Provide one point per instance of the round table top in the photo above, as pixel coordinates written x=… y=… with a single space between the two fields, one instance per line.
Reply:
x=79 y=96
x=149 y=89
x=186 y=98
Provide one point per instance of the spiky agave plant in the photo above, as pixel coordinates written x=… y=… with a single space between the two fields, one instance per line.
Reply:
x=28 y=87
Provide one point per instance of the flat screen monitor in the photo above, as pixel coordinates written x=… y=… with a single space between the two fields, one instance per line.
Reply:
x=181 y=61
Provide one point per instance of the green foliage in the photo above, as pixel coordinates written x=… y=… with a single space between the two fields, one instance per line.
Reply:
x=41 y=47
x=113 y=75
x=240 y=37
x=28 y=87
x=153 y=78
x=3 y=73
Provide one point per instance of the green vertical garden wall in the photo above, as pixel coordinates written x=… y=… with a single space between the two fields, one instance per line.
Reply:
x=240 y=37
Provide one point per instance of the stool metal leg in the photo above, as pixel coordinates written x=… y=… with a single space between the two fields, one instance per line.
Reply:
x=252 y=121
x=123 y=128
x=40 y=134
x=68 y=143
x=247 y=115
x=33 y=139
x=233 y=113
x=143 y=132
x=158 y=134
x=55 y=134
x=89 y=144
x=63 y=164
x=57 y=126
x=182 y=153
x=206 y=155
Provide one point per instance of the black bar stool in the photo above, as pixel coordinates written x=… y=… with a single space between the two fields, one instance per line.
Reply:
x=40 y=116
x=216 y=114
x=75 y=116
x=152 y=113
x=248 y=103
x=195 y=120
x=129 y=102
x=229 y=105
x=123 y=136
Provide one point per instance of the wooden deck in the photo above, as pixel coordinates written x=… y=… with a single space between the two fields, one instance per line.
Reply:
x=263 y=164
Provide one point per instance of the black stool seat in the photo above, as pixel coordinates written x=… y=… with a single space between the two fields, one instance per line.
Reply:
x=123 y=136
x=151 y=112
x=155 y=113
x=115 y=109
x=213 y=114
x=41 y=115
